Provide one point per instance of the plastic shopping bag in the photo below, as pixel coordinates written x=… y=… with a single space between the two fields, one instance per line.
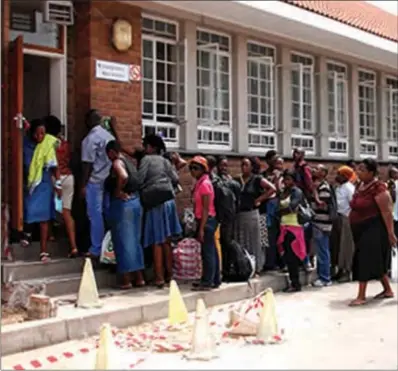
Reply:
x=58 y=204
x=394 y=264
x=107 y=253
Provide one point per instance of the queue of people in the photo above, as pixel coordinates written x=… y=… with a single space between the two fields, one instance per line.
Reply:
x=284 y=218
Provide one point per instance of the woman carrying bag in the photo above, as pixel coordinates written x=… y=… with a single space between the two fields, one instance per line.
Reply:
x=157 y=180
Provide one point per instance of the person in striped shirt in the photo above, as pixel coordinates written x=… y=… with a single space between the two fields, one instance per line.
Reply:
x=322 y=225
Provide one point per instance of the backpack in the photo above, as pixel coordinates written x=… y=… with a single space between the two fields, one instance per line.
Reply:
x=333 y=214
x=225 y=200
x=240 y=266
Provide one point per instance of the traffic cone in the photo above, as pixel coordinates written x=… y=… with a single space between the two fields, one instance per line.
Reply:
x=267 y=329
x=178 y=313
x=106 y=349
x=203 y=344
x=88 y=293
x=241 y=326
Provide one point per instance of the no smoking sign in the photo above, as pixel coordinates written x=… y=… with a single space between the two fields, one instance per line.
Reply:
x=135 y=72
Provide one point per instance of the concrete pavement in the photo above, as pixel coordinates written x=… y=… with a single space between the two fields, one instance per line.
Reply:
x=321 y=332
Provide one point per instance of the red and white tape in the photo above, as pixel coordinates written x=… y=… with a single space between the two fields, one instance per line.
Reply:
x=45 y=362
x=50 y=362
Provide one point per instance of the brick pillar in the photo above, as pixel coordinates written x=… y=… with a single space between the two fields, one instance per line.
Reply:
x=122 y=100
x=5 y=22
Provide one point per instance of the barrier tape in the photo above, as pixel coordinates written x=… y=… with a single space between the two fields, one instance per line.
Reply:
x=156 y=340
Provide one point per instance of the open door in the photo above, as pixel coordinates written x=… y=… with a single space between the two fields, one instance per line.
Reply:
x=16 y=121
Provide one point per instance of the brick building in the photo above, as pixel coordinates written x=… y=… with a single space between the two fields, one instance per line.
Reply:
x=233 y=77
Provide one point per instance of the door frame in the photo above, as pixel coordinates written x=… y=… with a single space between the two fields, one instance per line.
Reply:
x=58 y=80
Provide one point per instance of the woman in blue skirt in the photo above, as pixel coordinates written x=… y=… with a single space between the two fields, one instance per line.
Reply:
x=40 y=167
x=157 y=180
x=124 y=216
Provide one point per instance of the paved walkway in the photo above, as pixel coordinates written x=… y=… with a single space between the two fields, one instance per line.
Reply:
x=321 y=332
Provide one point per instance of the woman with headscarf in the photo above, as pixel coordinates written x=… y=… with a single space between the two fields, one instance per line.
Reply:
x=157 y=180
x=372 y=227
x=341 y=242
x=205 y=215
x=40 y=166
x=254 y=191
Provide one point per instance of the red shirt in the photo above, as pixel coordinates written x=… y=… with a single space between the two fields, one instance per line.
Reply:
x=63 y=158
x=203 y=187
x=363 y=204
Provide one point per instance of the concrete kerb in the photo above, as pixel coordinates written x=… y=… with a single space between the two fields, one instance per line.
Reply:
x=124 y=311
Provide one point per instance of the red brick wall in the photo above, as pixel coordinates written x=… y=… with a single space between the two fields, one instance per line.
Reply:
x=90 y=39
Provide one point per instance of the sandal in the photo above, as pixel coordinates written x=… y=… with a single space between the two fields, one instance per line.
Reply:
x=383 y=295
x=159 y=285
x=44 y=257
x=140 y=284
x=357 y=303
x=73 y=254
x=201 y=288
x=126 y=287
x=26 y=240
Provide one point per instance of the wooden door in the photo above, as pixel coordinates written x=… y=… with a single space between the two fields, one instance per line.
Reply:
x=16 y=122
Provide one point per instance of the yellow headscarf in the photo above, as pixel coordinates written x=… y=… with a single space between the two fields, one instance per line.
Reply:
x=44 y=157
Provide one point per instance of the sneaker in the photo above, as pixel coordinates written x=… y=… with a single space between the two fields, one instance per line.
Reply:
x=320 y=283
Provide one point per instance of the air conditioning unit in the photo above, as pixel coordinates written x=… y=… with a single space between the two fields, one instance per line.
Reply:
x=58 y=12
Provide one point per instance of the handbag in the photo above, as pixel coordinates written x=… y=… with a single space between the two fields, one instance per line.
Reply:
x=155 y=196
x=394 y=264
x=107 y=252
x=304 y=213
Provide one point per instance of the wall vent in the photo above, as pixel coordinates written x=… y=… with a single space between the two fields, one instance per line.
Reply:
x=59 y=12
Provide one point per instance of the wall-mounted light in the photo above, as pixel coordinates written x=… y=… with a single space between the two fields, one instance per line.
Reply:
x=122 y=35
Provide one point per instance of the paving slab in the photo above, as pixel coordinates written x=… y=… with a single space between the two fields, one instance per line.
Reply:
x=320 y=331
x=124 y=309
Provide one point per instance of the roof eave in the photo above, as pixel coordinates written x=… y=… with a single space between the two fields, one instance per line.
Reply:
x=291 y=22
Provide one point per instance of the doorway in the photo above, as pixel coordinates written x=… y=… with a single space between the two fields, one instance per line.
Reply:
x=36 y=87
x=43 y=85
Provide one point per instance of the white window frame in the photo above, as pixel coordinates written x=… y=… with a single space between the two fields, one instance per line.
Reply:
x=308 y=151
x=336 y=138
x=301 y=67
x=367 y=140
x=266 y=134
x=213 y=48
x=390 y=115
x=155 y=124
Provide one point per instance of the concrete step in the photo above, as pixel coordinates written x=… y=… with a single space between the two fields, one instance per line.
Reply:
x=57 y=249
x=69 y=283
x=124 y=309
x=30 y=270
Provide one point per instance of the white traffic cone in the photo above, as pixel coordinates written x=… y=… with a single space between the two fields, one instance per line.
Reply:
x=203 y=344
x=88 y=293
x=267 y=329
x=106 y=349
x=178 y=313
x=241 y=326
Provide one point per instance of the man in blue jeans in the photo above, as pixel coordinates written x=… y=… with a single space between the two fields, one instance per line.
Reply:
x=322 y=225
x=96 y=167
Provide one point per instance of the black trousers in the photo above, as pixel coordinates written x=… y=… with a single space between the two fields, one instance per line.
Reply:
x=292 y=261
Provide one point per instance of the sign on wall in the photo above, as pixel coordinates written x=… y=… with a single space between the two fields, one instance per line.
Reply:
x=112 y=71
x=135 y=72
